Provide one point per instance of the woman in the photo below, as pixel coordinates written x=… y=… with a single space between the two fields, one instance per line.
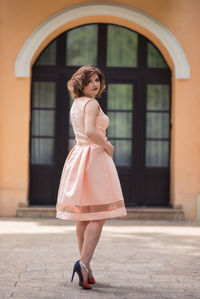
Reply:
x=89 y=190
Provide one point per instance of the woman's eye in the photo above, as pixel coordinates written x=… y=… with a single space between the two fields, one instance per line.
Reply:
x=97 y=80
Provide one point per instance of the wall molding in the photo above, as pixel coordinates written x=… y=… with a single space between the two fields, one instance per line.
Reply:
x=24 y=58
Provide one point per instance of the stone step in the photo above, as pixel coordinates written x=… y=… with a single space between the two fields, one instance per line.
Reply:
x=36 y=212
x=154 y=213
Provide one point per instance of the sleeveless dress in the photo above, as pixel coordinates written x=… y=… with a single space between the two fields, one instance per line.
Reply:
x=89 y=186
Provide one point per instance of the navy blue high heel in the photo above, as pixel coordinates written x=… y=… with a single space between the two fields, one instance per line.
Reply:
x=77 y=269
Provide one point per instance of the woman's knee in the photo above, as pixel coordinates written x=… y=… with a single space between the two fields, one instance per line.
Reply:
x=82 y=223
x=102 y=221
x=99 y=222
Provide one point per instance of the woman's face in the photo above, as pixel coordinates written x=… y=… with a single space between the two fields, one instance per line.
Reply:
x=92 y=88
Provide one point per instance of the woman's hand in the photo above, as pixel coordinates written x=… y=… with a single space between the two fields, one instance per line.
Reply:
x=109 y=149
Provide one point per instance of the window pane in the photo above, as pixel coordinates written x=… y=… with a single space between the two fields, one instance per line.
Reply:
x=44 y=94
x=48 y=56
x=43 y=122
x=158 y=97
x=82 y=45
x=157 y=125
x=122 y=152
x=122 y=45
x=120 y=96
x=120 y=124
x=157 y=153
x=42 y=151
x=154 y=58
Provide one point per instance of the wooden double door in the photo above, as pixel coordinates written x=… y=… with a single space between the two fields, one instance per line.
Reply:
x=137 y=101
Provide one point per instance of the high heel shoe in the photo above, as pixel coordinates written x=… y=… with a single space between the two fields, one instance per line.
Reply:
x=77 y=269
x=91 y=279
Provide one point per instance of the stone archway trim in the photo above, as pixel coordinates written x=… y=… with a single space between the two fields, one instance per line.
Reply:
x=23 y=60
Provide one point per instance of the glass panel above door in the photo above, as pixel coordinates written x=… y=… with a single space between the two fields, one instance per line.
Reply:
x=48 y=56
x=122 y=47
x=82 y=45
x=158 y=97
x=154 y=58
x=43 y=95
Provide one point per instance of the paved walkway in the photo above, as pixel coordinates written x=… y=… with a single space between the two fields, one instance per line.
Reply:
x=134 y=259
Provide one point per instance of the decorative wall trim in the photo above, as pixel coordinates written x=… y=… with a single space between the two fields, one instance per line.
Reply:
x=23 y=61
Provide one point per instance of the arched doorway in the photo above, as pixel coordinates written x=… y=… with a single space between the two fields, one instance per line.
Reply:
x=137 y=100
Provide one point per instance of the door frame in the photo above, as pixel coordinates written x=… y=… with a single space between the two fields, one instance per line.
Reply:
x=140 y=75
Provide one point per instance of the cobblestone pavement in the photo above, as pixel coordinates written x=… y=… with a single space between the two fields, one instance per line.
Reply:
x=134 y=259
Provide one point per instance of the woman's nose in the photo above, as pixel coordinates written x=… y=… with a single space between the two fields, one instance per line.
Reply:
x=94 y=84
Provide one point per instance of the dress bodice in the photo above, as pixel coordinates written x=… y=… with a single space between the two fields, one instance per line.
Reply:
x=77 y=115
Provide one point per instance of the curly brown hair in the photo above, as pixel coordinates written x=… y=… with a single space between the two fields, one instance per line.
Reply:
x=81 y=78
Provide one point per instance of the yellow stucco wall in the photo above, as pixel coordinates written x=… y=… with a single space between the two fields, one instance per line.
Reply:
x=19 y=18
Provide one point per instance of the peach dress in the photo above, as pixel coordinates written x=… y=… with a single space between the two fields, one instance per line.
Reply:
x=89 y=185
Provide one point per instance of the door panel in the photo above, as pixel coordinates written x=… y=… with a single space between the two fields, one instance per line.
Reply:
x=120 y=108
x=156 y=187
x=41 y=191
x=157 y=145
x=120 y=99
x=42 y=147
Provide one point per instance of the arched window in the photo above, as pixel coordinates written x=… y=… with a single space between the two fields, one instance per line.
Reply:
x=137 y=100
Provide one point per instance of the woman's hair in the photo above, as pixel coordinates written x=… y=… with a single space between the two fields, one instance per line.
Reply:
x=81 y=78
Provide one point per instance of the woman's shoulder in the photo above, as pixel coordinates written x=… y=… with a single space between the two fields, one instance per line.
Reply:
x=84 y=100
x=79 y=105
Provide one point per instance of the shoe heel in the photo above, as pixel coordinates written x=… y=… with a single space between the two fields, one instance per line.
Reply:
x=77 y=269
x=73 y=275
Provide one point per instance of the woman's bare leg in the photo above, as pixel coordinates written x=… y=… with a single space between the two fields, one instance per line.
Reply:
x=80 y=230
x=91 y=237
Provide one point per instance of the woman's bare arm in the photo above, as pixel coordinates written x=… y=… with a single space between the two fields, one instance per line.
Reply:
x=91 y=113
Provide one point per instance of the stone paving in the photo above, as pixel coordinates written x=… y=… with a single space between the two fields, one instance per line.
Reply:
x=134 y=259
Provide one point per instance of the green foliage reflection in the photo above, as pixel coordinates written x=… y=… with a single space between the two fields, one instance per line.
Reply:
x=82 y=45
x=122 y=45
